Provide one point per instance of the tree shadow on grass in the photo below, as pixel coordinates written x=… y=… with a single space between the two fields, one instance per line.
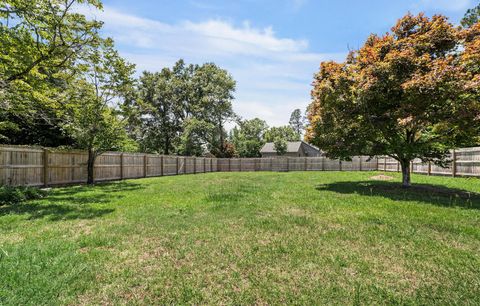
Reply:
x=108 y=187
x=80 y=202
x=431 y=194
x=54 y=212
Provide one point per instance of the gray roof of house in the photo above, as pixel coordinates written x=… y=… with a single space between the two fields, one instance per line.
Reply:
x=292 y=146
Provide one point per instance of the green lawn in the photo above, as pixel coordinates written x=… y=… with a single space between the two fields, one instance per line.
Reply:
x=244 y=238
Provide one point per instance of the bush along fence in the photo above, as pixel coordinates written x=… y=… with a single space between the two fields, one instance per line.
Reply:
x=31 y=166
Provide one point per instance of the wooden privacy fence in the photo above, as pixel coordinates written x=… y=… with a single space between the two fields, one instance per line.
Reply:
x=463 y=162
x=30 y=166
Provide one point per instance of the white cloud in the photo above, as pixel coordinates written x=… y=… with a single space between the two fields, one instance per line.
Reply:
x=446 y=5
x=298 y=4
x=273 y=74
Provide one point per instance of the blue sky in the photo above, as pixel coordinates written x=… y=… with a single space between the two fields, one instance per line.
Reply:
x=271 y=47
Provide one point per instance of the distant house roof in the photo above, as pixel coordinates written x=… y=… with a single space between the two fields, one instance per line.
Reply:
x=292 y=147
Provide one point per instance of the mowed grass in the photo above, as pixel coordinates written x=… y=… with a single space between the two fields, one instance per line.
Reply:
x=246 y=238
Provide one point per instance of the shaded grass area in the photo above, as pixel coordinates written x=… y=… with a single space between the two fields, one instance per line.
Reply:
x=427 y=193
x=243 y=238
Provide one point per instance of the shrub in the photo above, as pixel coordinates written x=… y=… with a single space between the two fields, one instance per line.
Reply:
x=16 y=195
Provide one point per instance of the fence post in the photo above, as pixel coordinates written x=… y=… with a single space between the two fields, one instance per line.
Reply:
x=376 y=157
x=398 y=166
x=429 y=168
x=288 y=164
x=230 y=165
x=271 y=164
x=340 y=164
x=323 y=163
x=306 y=167
x=385 y=164
x=177 y=165
x=45 y=167
x=194 y=165
x=454 y=163
x=211 y=164
x=360 y=166
x=121 y=166
x=145 y=165
x=240 y=164
x=161 y=165
x=204 y=166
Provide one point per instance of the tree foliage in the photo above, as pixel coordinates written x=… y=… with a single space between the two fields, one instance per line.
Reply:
x=39 y=41
x=177 y=101
x=159 y=116
x=89 y=101
x=285 y=132
x=248 y=137
x=471 y=17
x=196 y=137
x=297 y=122
x=280 y=146
x=412 y=93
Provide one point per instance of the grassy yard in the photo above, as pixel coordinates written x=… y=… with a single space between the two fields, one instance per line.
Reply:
x=243 y=238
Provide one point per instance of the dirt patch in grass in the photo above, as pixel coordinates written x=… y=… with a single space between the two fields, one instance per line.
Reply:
x=382 y=177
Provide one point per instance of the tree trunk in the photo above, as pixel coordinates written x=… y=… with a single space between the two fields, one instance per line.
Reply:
x=405 y=173
x=222 y=140
x=90 y=165
x=166 y=149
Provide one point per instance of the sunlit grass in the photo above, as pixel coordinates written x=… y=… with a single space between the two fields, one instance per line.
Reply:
x=243 y=238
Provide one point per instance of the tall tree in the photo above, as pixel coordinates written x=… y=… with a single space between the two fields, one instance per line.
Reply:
x=169 y=102
x=406 y=94
x=248 y=137
x=285 y=132
x=297 y=122
x=88 y=104
x=160 y=112
x=39 y=39
x=213 y=92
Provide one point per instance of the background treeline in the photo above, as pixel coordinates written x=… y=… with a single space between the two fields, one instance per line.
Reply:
x=63 y=84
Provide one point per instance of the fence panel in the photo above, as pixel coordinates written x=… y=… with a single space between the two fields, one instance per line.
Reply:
x=297 y=164
x=66 y=168
x=468 y=162
x=265 y=164
x=223 y=164
x=107 y=167
x=170 y=165
x=200 y=165
x=234 y=164
x=280 y=164
x=21 y=166
x=189 y=165
x=248 y=164
x=154 y=165
x=369 y=164
x=331 y=164
x=133 y=165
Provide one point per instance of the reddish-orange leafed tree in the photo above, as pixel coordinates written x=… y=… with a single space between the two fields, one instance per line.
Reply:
x=411 y=93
